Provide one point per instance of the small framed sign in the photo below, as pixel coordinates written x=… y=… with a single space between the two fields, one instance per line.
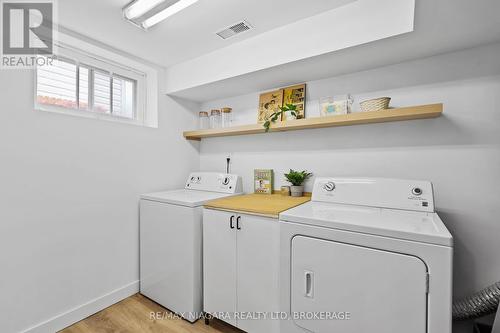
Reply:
x=263 y=181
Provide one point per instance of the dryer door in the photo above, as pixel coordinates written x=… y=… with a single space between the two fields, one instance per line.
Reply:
x=338 y=287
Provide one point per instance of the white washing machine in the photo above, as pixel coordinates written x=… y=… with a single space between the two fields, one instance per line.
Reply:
x=366 y=255
x=171 y=241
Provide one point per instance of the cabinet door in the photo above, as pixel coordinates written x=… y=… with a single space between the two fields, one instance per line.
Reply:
x=258 y=270
x=219 y=265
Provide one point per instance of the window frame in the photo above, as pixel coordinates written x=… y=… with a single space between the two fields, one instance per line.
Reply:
x=113 y=64
x=134 y=111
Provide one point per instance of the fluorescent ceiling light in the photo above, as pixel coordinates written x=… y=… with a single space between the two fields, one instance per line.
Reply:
x=139 y=8
x=167 y=12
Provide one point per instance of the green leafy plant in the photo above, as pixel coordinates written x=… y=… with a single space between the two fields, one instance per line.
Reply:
x=275 y=115
x=296 y=178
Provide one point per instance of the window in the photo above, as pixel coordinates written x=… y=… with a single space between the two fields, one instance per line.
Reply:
x=72 y=85
x=89 y=85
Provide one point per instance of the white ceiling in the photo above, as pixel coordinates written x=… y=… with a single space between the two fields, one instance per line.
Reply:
x=441 y=26
x=188 y=34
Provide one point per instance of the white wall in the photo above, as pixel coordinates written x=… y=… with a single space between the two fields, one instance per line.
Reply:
x=459 y=152
x=69 y=190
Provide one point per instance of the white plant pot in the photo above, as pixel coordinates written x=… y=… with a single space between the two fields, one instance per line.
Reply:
x=296 y=191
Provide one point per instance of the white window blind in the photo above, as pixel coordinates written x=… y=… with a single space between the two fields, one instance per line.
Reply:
x=56 y=85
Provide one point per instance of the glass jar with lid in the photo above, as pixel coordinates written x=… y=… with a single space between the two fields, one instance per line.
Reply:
x=226 y=117
x=203 y=121
x=215 y=119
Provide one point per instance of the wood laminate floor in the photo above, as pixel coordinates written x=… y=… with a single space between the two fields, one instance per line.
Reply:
x=133 y=315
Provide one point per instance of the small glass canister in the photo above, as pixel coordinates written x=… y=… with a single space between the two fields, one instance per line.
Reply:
x=215 y=120
x=203 y=121
x=227 y=117
x=285 y=191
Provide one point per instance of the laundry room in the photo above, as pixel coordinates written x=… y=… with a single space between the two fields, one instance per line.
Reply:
x=249 y=166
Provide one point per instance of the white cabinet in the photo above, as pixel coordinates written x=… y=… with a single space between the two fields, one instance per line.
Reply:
x=241 y=267
x=258 y=271
x=219 y=264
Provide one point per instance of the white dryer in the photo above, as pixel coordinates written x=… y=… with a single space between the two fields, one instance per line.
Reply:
x=171 y=241
x=366 y=255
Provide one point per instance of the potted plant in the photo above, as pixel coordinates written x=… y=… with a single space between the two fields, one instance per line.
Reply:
x=275 y=115
x=297 y=178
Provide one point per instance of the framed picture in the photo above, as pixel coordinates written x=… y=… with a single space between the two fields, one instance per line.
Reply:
x=268 y=103
x=295 y=95
x=263 y=180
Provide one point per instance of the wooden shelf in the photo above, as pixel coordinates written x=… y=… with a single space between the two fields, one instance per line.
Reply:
x=407 y=113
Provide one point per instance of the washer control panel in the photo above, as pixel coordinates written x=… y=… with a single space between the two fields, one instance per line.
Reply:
x=376 y=192
x=214 y=182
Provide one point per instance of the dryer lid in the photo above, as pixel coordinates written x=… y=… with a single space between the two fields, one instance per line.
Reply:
x=394 y=223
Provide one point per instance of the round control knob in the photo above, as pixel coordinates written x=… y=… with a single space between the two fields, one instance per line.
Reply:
x=225 y=181
x=416 y=191
x=330 y=186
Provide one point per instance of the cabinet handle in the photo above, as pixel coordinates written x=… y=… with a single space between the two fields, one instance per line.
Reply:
x=231 y=222
x=238 y=223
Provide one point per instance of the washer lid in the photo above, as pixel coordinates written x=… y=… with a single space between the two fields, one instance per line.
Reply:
x=183 y=197
x=401 y=224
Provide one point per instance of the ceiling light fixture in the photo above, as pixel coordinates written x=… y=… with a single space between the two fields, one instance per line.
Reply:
x=147 y=13
x=139 y=7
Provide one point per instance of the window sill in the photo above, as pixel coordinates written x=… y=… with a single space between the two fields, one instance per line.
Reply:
x=91 y=115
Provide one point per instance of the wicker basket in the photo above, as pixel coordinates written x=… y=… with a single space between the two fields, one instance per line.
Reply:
x=376 y=104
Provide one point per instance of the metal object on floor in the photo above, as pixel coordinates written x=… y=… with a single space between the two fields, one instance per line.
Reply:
x=479 y=304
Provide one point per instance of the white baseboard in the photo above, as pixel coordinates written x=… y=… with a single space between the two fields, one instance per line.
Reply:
x=70 y=317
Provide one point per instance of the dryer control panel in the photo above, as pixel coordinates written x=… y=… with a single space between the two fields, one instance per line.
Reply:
x=376 y=192
x=214 y=182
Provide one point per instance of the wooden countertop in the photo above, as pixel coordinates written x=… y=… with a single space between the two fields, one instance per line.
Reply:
x=257 y=204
